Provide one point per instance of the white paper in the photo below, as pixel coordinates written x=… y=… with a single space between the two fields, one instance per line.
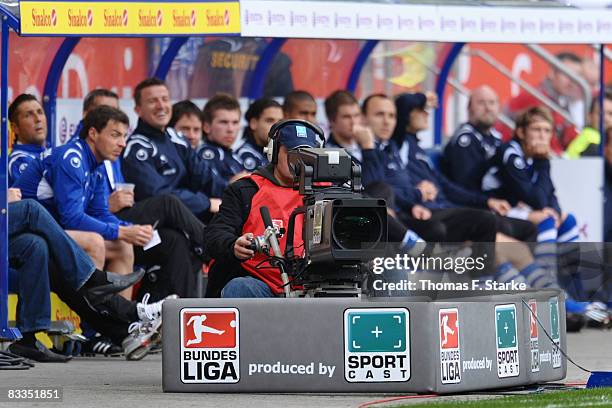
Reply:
x=155 y=240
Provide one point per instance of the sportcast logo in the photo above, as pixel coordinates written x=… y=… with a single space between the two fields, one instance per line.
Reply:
x=554 y=331
x=450 y=354
x=506 y=341
x=210 y=345
x=376 y=345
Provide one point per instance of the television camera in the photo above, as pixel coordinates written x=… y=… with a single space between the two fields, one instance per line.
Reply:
x=342 y=230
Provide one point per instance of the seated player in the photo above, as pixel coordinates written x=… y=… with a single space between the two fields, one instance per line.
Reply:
x=69 y=184
x=221 y=123
x=29 y=124
x=158 y=160
x=522 y=174
x=45 y=259
x=261 y=115
x=176 y=261
x=470 y=151
x=187 y=119
x=300 y=105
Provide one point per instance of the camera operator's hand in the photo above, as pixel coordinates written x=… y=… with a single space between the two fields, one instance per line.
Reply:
x=421 y=213
x=215 y=203
x=364 y=136
x=241 y=247
x=428 y=190
x=499 y=206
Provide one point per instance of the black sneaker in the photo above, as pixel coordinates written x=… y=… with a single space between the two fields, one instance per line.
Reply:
x=115 y=284
x=38 y=353
x=100 y=346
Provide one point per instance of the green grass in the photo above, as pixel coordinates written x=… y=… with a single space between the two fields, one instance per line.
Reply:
x=599 y=397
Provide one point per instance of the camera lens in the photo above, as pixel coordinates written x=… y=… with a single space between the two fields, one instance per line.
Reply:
x=357 y=228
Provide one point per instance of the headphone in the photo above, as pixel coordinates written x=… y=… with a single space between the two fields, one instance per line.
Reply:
x=273 y=144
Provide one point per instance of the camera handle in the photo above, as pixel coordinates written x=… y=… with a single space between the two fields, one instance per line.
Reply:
x=289 y=249
x=270 y=236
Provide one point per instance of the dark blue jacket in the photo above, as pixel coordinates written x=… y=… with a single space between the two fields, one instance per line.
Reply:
x=249 y=154
x=69 y=183
x=469 y=154
x=19 y=159
x=220 y=159
x=420 y=167
x=524 y=179
x=163 y=163
x=383 y=163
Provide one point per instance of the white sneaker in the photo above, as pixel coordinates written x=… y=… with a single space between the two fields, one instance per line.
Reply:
x=151 y=311
x=143 y=336
x=597 y=311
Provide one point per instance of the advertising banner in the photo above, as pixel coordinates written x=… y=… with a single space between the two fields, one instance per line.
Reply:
x=424 y=22
x=128 y=18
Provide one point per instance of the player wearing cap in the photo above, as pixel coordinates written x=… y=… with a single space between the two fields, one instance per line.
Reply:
x=238 y=271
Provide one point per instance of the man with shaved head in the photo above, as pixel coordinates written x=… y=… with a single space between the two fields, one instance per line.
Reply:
x=468 y=154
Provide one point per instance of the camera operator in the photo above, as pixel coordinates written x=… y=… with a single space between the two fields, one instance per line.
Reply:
x=239 y=272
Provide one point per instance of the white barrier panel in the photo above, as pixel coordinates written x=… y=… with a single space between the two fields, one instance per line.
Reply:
x=579 y=185
x=348 y=20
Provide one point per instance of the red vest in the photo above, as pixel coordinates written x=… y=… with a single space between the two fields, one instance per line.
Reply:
x=281 y=201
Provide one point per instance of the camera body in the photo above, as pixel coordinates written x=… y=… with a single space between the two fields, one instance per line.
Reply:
x=342 y=230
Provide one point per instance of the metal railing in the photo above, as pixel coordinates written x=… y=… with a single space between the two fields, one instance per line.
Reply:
x=539 y=95
x=461 y=89
x=559 y=66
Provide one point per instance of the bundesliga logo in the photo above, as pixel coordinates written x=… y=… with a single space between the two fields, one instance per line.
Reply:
x=210 y=345
x=450 y=354
x=533 y=336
